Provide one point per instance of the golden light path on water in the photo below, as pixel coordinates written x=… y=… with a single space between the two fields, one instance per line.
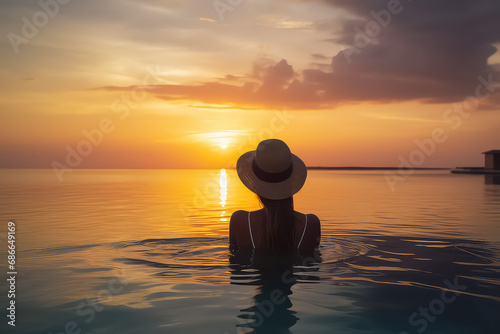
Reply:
x=223 y=193
x=102 y=206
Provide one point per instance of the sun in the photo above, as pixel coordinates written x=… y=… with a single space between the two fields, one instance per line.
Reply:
x=224 y=142
x=220 y=139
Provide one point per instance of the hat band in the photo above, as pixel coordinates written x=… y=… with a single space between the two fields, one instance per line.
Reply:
x=271 y=177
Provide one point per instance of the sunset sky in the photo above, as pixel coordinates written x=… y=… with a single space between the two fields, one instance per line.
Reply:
x=193 y=84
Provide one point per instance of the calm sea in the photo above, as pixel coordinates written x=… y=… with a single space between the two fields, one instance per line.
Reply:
x=145 y=251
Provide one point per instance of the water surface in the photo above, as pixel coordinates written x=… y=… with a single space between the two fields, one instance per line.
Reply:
x=145 y=251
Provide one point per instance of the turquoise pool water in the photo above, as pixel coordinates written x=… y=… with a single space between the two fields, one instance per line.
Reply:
x=146 y=252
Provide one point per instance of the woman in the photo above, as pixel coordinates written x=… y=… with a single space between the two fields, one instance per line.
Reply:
x=275 y=175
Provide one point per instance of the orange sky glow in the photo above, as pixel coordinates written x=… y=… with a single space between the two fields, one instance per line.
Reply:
x=185 y=84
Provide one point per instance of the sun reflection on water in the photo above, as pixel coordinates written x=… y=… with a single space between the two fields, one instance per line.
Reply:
x=223 y=193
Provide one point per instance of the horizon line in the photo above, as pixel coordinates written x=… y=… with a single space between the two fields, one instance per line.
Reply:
x=310 y=167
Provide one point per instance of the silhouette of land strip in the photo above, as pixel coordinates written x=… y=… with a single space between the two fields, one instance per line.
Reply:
x=475 y=170
x=374 y=168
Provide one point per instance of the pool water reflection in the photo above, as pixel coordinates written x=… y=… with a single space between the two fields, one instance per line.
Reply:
x=146 y=251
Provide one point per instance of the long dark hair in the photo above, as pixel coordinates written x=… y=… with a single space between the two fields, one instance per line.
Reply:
x=278 y=232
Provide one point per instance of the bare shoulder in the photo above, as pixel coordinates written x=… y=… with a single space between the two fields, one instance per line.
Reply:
x=237 y=217
x=314 y=223
x=313 y=219
x=311 y=233
x=236 y=226
x=238 y=214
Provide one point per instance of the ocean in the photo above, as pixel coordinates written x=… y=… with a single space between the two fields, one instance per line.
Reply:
x=146 y=251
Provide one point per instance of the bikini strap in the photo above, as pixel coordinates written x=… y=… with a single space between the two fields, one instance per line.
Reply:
x=250 y=229
x=303 y=232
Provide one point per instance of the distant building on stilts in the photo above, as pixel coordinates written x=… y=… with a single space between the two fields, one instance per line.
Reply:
x=492 y=160
x=491 y=165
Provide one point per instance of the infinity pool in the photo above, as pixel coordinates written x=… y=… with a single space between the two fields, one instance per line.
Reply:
x=145 y=251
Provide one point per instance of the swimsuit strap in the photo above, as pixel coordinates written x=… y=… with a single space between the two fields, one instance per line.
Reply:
x=303 y=232
x=250 y=229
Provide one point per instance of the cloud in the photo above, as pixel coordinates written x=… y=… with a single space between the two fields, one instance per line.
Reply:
x=205 y=19
x=269 y=85
x=427 y=50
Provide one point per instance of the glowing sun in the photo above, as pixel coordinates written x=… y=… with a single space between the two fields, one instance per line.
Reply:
x=223 y=143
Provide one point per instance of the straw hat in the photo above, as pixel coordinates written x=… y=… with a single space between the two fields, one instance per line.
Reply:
x=272 y=171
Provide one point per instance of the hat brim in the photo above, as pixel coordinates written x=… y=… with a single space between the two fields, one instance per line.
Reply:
x=271 y=190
